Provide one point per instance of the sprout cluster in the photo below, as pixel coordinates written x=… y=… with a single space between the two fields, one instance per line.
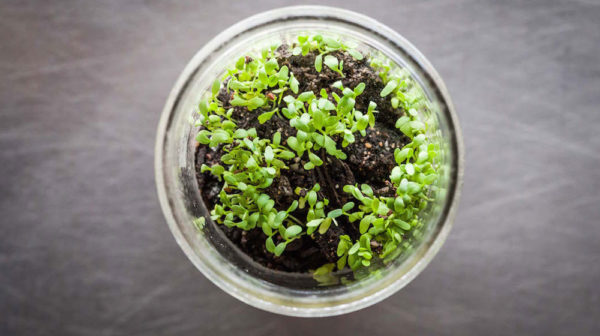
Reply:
x=325 y=123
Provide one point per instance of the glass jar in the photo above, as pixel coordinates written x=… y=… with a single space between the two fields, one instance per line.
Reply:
x=211 y=252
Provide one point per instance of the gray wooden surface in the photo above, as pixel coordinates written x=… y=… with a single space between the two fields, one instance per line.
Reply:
x=84 y=249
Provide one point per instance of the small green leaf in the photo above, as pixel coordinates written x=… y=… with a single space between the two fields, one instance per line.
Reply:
x=390 y=86
x=273 y=79
x=354 y=248
x=401 y=155
x=240 y=63
x=331 y=62
x=255 y=103
x=270 y=245
x=262 y=200
x=372 y=107
x=349 y=138
x=293 y=206
x=202 y=137
x=275 y=220
x=334 y=213
x=319 y=63
x=366 y=255
x=325 y=225
x=269 y=155
x=403 y=186
x=359 y=89
x=324 y=270
x=323 y=93
x=294 y=84
x=283 y=73
x=240 y=133
x=306 y=96
x=332 y=43
x=305 y=49
x=309 y=165
x=366 y=189
x=319 y=139
x=267 y=230
x=341 y=263
x=302 y=125
x=429 y=179
x=315 y=159
x=251 y=163
x=402 y=224
x=342 y=248
x=330 y=145
x=216 y=87
x=318 y=120
x=355 y=54
x=276 y=138
x=396 y=174
x=410 y=169
x=263 y=78
x=280 y=248
x=325 y=104
x=270 y=170
x=422 y=157
x=419 y=139
x=248 y=143
x=264 y=117
x=229 y=178
x=364 y=224
x=346 y=104
x=293 y=231
x=413 y=188
x=398 y=204
x=217 y=170
x=286 y=155
x=271 y=65
x=219 y=136
x=312 y=198
x=293 y=143
x=203 y=107
x=348 y=206
x=315 y=222
x=402 y=121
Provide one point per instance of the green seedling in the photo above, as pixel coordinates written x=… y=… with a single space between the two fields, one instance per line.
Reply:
x=325 y=122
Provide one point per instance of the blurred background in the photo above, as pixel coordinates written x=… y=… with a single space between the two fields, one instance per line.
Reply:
x=85 y=250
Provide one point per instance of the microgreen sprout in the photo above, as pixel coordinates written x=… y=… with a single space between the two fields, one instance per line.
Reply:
x=322 y=46
x=325 y=123
x=334 y=64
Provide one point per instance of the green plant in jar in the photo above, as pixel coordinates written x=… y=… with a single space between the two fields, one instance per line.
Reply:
x=315 y=156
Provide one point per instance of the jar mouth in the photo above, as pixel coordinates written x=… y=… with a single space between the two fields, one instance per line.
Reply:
x=181 y=203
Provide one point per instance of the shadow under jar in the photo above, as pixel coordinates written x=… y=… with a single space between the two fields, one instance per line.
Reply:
x=298 y=294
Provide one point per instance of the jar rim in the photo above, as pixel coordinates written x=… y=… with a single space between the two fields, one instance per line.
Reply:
x=305 y=304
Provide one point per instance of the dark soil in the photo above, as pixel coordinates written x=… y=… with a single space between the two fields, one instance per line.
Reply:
x=370 y=160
